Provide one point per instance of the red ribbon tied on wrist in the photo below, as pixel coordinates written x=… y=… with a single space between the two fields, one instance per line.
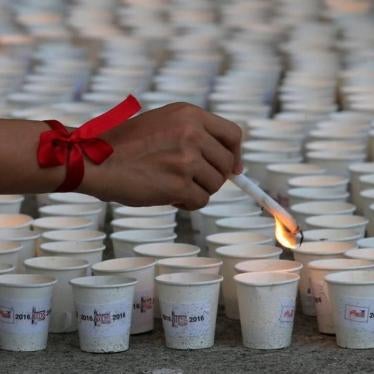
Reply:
x=59 y=147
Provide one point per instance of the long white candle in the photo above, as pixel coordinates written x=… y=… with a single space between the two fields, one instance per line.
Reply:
x=266 y=201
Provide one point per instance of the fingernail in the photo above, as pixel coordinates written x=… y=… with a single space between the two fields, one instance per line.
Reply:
x=238 y=168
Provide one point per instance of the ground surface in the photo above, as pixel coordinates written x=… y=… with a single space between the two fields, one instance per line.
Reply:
x=310 y=352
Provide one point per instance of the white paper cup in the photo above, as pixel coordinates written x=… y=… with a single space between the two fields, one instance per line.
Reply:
x=158 y=224
x=235 y=237
x=233 y=254
x=267 y=303
x=25 y=301
x=11 y=204
x=365 y=182
x=15 y=221
x=258 y=224
x=335 y=146
x=303 y=195
x=310 y=251
x=317 y=271
x=189 y=264
x=42 y=225
x=335 y=162
x=366 y=253
x=85 y=236
x=79 y=198
x=371 y=220
x=340 y=235
x=283 y=148
x=125 y=241
x=9 y=253
x=356 y=171
x=143 y=270
x=366 y=242
x=7 y=268
x=367 y=198
x=166 y=212
x=350 y=294
x=211 y=213
x=318 y=208
x=63 y=318
x=279 y=174
x=335 y=183
x=104 y=307
x=73 y=210
x=166 y=250
x=27 y=239
x=88 y=251
x=189 y=303
x=340 y=221
x=251 y=266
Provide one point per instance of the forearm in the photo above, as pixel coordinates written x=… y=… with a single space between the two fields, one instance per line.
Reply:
x=19 y=169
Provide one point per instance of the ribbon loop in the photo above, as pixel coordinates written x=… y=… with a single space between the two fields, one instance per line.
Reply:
x=59 y=147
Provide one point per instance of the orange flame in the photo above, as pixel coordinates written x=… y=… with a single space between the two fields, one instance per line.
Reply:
x=285 y=237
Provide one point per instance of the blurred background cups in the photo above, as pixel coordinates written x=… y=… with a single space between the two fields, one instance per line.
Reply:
x=122 y=224
x=9 y=253
x=340 y=235
x=185 y=264
x=231 y=255
x=251 y=266
x=334 y=183
x=166 y=250
x=104 y=298
x=84 y=236
x=11 y=204
x=63 y=318
x=30 y=295
x=188 y=303
x=41 y=225
x=267 y=303
x=143 y=270
x=261 y=225
x=15 y=221
x=125 y=241
x=303 y=195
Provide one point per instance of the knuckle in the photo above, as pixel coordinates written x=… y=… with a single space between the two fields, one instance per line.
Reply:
x=189 y=132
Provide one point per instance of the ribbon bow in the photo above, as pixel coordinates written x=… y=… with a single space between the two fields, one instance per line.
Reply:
x=58 y=146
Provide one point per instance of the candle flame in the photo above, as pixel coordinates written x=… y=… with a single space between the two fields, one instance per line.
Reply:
x=285 y=237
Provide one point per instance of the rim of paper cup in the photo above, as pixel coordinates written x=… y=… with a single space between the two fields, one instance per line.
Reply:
x=274 y=144
x=261 y=238
x=366 y=253
x=284 y=278
x=341 y=278
x=18 y=235
x=13 y=280
x=302 y=168
x=63 y=197
x=35 y=263
x=6 y=268
x=362 y=167
x=243 y=210
x=333 y=264
x=75 y=210
x=302 y=192
x=177 y=262
x=353 y=235
x=192 y=279
x=130 y=267
x=267 y=157
x=361 y=242
x=155 y=236
x=368 y=193
x=334 y=224
x=306 y=208
x=153 y=250
x=335 y=156
x=314 y=248
x=49 y=235
x=227 y=251
x=93 y=281
x=118 y=222
x=367 y=178
x=27 y=220
x=137 y=212
x=223 y=222
x=52 y=247
x=44 y=222
x=9 y=247
x=343 y=181
x=11 y=199
x=297 y=266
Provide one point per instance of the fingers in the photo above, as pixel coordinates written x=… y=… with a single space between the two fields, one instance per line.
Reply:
x=227 y=133
x=208 y=177
x=195 y=197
